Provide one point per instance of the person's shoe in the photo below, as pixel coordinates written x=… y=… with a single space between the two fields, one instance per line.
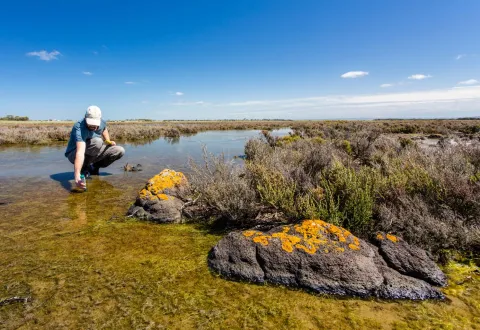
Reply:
x=93 y=170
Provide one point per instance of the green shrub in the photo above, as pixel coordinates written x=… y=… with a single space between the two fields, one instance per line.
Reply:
x=274 y=189
x=406 y=142
x=347 y=147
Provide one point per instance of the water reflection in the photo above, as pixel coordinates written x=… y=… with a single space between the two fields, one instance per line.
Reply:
x=92 y=204
x=172 y=140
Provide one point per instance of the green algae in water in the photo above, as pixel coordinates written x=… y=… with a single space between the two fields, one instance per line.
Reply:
x=86 y=265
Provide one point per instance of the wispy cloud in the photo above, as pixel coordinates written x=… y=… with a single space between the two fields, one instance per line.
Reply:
x=419 y=76
x=130 y=82
x=354 y=74
x=190 y=103
x=460 y=56
x=44 y=55
x=179 y=93
x=87 y=73
x=469 y=82
x=144 y=102
x=95 y=52
x=386 y=85
x=447 y=102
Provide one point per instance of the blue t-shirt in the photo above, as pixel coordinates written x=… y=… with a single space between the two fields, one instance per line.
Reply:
x=80 y=132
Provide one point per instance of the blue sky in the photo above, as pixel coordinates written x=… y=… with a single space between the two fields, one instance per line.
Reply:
x=246 y=59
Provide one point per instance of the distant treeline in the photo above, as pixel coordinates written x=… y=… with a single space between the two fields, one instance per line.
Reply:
x=16 y=118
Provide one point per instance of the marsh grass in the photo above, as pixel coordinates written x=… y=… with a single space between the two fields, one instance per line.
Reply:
x=45 y=132
x=85 y=265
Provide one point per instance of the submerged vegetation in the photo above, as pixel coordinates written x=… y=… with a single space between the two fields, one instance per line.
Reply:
x=83 y=264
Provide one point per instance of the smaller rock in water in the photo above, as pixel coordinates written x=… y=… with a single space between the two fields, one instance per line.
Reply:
x=132 y=168
x=158 y=201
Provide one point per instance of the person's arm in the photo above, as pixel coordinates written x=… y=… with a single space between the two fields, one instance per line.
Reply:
x=77 y=166
x=106 y=136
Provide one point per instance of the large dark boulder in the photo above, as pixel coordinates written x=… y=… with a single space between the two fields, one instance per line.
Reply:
x=158 y=200
x=315 y=256
x=409 y=260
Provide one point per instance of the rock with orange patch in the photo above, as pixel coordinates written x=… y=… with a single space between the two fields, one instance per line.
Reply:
x=158 y=200
x=409 y=260
x=316 y=256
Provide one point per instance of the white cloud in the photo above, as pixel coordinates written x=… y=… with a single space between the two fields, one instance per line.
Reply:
x=386 y=85
x=178 y=93
x=130 y=82
x=87 y=73
x=454 y=94
x=190 y=103
x=419 y=76
x=458 y=101
x=460 y=56
x=469 y=82
x=354 y=74
x=44 y=55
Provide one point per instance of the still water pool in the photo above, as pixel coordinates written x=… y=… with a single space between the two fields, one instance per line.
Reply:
x=44 y=161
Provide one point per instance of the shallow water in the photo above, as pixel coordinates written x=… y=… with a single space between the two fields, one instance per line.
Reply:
x=84 y=264
x=45 y=161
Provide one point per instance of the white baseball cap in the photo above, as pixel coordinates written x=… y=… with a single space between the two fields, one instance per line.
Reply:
x=93 y=115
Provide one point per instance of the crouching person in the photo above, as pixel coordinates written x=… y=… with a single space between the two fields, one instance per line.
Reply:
x=89 y=147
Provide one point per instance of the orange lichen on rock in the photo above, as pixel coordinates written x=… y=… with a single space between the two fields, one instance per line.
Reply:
x=288 y=241
x=249 y=233
x=156 y=186
x=162 y=196
x=313 y=234
x=262 y=239
x=393 y=238
x=380 y=237
x=309 y=250
x=354 y=247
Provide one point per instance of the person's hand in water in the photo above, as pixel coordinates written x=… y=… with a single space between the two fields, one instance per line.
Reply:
x=80 y=184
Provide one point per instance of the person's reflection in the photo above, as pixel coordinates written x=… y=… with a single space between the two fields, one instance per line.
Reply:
x=89 y=205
